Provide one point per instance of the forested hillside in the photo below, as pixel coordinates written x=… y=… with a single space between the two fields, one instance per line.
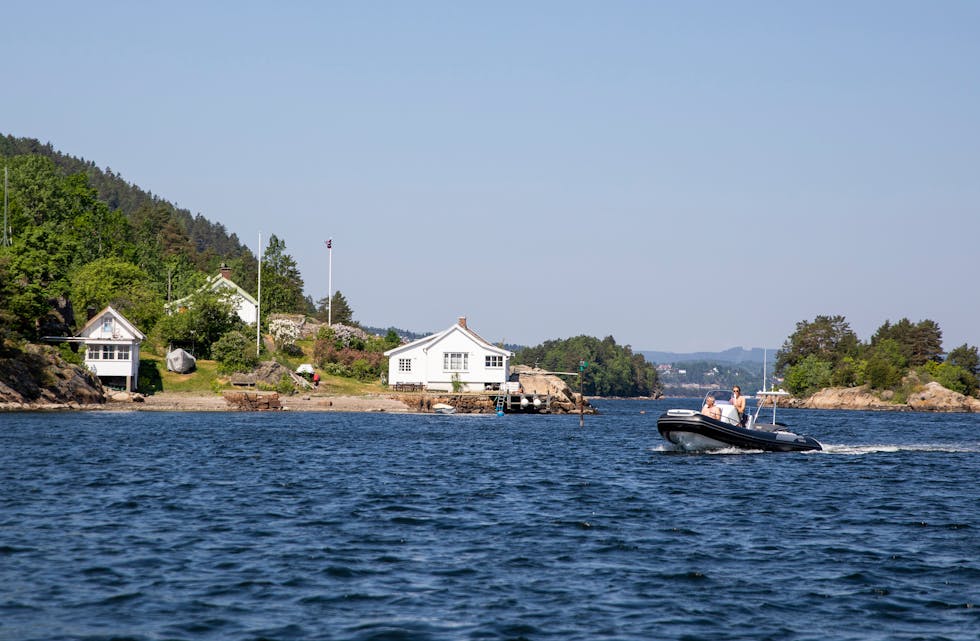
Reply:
x=206 y=243
x=78 y=236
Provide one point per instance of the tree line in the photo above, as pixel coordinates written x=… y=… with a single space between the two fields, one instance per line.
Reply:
x=611 y=370
x=826 y=352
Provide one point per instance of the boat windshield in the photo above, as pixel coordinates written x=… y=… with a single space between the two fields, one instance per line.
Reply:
x=721 y=396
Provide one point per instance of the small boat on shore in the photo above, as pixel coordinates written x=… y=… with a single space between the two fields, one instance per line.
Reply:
x=443 y=408
x=691 y=430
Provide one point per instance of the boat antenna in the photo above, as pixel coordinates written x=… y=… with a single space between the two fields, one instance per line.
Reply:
x=764 y=368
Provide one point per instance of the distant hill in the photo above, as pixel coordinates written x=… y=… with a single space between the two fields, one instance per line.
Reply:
x=733 y=355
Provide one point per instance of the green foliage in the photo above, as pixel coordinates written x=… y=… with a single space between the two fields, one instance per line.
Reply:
x=209 y=315
x=965 y=357
x=881 y=374
x=234 y=352
x=850 y=372
x=339 y=311
x=69 y=355
x=828 y=338
x=808 y=375
x=150 y=381
x=66 y=214
x=952 y=377
x=285 y=385
x=882 y=364
x=337 y=369
x=613 y=370
x=885 y=365
x=282 y=285
x=112 y=281
x=918 y=344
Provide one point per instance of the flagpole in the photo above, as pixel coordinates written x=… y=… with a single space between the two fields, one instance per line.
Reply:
x=258 y=306
x=329 y=282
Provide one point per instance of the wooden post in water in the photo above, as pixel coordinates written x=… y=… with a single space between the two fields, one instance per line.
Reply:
x=581 y=393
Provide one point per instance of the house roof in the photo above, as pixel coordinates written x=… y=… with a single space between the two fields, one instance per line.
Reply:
x=429 y=341
x=122 y=320
x=213 y=284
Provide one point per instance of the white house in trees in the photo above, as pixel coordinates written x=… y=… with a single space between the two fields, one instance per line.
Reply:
x=245 y=304
x=454 y=354
x=112 y=348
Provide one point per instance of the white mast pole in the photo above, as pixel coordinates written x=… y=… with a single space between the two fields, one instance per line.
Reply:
x=329 y=282
x=258 y=307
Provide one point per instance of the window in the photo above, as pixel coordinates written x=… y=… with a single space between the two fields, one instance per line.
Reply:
x=404 y=365
x=107 y=352
x=107 y=325
x=94 y=352
x=495 y=361
x=122 y=353
x=455 y=361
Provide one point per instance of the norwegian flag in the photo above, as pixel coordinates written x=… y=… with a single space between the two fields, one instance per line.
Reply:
x=330 y=244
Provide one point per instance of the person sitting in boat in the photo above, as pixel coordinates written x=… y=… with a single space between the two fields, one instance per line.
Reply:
x=739 y=402
x=710 y=409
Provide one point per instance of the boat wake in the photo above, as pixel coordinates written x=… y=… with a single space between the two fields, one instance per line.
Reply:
x=846 y=450
x=858 y=450
x=725 y=451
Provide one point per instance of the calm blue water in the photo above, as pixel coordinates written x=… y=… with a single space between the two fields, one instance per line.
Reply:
x=377 y=526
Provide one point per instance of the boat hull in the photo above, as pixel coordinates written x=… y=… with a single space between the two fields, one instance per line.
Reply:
x=692 y=431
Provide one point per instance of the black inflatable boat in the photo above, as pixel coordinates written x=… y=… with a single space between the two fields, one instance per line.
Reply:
x=691 y=430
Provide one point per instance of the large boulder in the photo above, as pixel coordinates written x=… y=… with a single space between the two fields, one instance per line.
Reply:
x=934 y=397
x=847 y=398
x=538 y=381
x=37 y=375
x=928 y=397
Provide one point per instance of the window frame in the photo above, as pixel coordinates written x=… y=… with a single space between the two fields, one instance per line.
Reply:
x=455 y=361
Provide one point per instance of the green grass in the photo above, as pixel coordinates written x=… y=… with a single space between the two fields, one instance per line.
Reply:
x=205 y=379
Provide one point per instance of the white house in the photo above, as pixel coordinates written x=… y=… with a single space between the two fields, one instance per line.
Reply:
x=454 y=354
x=112 y=348
x=245 y=304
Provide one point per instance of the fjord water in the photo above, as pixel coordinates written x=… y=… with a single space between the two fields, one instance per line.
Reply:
x=379 y=526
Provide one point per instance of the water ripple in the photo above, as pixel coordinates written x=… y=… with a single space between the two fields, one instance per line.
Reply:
x=334 y=526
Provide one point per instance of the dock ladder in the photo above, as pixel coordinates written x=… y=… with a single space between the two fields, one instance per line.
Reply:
x=500 y=401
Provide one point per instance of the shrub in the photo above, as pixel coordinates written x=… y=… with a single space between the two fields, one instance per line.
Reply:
x=952 y=377
x=809 y=375
x=234 y=353
x=149 y=380
x=284 y=333
x=882 y=374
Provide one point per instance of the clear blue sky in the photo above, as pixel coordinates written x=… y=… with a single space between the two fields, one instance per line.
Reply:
x=682 y=176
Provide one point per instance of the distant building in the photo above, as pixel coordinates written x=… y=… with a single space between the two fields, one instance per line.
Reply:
x=454 y=354
x=245 y=304
x=112 y=349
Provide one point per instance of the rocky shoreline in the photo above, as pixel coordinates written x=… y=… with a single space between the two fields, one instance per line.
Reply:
x=931 y=397
x=39 y=380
